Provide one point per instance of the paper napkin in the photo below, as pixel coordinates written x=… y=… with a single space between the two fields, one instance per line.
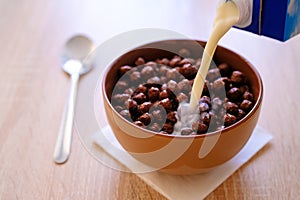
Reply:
x=183 y=187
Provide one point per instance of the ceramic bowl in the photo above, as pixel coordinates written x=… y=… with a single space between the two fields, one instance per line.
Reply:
x=177 y=154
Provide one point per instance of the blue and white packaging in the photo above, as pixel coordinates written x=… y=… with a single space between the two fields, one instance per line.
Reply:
x=278 y=19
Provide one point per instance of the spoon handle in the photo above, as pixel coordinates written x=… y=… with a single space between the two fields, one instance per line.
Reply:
x=63 y=143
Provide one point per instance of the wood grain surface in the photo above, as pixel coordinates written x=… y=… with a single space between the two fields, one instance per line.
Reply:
x=33 y=91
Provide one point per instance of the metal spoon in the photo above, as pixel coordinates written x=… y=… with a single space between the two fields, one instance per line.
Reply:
x=75 y=51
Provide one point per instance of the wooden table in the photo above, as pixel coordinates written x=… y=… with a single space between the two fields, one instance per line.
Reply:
x=34 y=90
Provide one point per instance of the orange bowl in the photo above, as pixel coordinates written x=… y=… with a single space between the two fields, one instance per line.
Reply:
x=177 y=154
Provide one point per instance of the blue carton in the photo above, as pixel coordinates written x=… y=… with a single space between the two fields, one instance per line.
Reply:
x=278 y=19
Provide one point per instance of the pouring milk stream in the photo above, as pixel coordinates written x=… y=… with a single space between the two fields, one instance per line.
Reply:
x=227 y=15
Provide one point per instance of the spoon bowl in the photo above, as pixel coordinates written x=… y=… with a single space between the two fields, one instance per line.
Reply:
x=76 y=49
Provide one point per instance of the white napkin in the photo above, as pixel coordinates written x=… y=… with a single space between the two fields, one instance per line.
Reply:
x=184 y=187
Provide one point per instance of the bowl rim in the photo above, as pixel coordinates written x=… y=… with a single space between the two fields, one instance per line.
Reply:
x=222 y=131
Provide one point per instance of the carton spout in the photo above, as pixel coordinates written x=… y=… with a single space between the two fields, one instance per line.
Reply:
x=245 y=8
